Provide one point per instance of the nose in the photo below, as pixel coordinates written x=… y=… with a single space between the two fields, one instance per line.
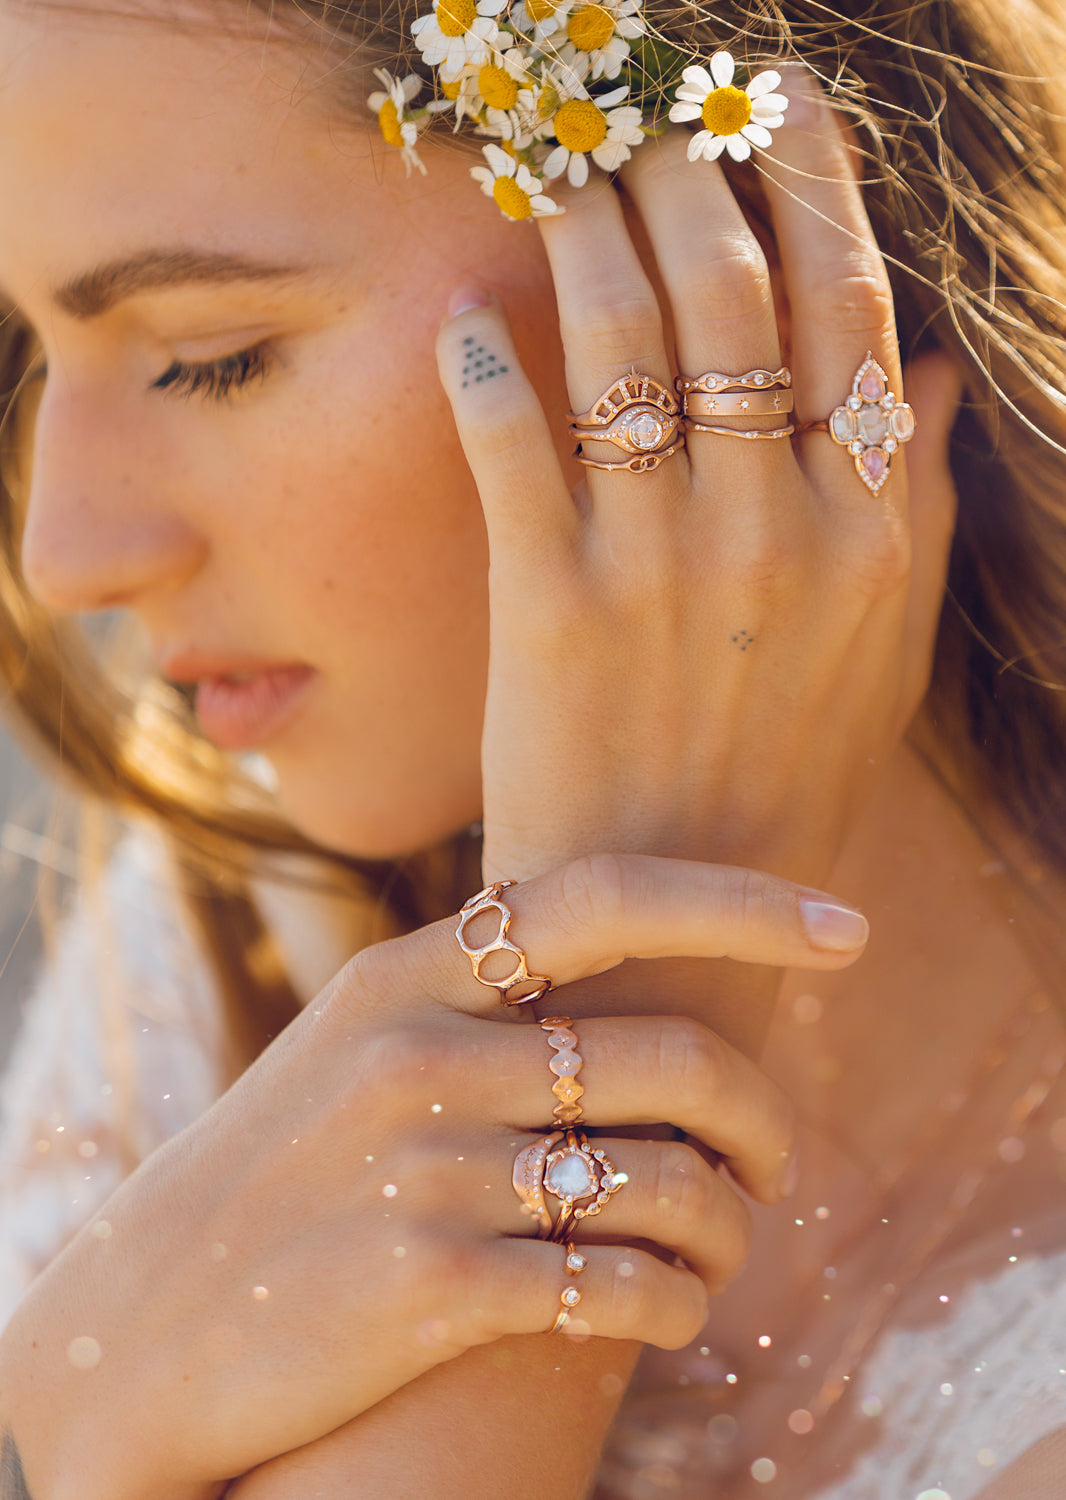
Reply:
x=103 y=528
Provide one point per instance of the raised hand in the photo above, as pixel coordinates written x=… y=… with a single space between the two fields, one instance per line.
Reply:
x=343 y=1218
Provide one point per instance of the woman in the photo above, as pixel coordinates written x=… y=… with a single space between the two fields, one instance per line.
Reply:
x=686 y=700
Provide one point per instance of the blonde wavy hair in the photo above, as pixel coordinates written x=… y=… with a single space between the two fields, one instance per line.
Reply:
x=958 y=106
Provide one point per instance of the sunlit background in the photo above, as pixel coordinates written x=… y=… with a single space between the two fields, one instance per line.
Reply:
x=23 y=804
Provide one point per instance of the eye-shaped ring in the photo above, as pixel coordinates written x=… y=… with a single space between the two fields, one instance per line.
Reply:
x=637 y=415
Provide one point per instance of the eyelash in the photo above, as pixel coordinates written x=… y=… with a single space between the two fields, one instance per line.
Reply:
x=218 y=378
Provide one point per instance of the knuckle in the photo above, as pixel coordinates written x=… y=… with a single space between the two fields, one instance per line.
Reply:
x=737 y=1243
x=731 y=283
x=590 y=892
x=682 y=1184
x=692 y=1057
x=747 y=895
x=631 y=1295
x=857 y=301
x=879 y=553
x=402 y=1061
x=622 y=331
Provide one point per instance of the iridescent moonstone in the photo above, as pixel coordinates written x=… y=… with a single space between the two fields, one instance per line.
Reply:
x=842 y=424
x=570 y=1176
x=872 y=385
x=903 y=423
x=873 y=424
x=874 y=462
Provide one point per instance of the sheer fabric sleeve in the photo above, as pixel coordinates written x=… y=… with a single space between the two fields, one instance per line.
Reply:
x=117 y=1051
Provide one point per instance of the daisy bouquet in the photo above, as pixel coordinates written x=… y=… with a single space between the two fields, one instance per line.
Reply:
x=560 y=86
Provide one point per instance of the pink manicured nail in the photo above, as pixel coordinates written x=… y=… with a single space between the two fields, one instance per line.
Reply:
x=466 y=299
x=839 y=929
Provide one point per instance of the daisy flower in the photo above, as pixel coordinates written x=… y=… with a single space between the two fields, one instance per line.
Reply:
x=516 y=191
x=399 y=128
x=541 y=17
x=598 y=35
x=584 y=127
x=734 y=119
x=458 y=34
x=491 y=94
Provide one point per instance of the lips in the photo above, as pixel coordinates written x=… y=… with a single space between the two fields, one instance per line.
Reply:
x=242 y=702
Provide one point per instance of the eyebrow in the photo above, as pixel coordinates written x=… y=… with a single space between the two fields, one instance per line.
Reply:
x=97 y=291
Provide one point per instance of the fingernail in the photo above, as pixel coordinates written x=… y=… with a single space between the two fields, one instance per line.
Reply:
x=840 y=929
x=790 y=1180
x=466 y=299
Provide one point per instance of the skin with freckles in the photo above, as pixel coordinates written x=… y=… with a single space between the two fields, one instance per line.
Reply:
x=343 y=532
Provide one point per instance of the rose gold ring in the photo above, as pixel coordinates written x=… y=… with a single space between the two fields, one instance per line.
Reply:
x=737 y=403
x=566 y=1064
x=758 y=434
x=527 y=1178
x=637 y=415
x=872 y=424
x=714 y=382
x=578 y=1171
x=489 y=900
x=569 y=1297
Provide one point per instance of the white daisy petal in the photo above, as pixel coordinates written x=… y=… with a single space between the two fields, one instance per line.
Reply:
x=714 y=147
x=611 y=155
x=697 y=143
x=376 y=101
x=699 y=78
x=498 y=160
x=578 y=171
x=722 y=69
x=542 y=205
x=681 y=112
x=524 y=178
x=412 y=87
x=768 y=122
x=490 y=7
x=693 y=95
x=737 y=147
x=776 y=102
x=555 y=164
x=421 y=24
x=763 y=83
x=758 y=135
x=604 y=101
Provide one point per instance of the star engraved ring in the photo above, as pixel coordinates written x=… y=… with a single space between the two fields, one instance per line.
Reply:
x=872 y=424
x=490 y=899
x=637 y=415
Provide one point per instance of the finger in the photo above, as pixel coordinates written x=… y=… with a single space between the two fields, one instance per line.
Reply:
x=834 y=274
x=516 y=1287
x=721 y=298
x=529 y=513
x=672 y=1197
x=588 y=915
x=611 y=323
x=934 y=389
x=634 y=1070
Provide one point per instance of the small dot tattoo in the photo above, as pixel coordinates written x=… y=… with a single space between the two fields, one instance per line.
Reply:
x=742 y=639
x=479 y=363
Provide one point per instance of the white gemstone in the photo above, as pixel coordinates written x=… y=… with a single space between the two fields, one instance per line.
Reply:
x=903 y=423
x=855 y=447
x=645 y=429
x=575 y=1262
x=571 y=1296
x=842 y=424
x=570 y=1176
x=889 y=445
x=854 y=402
x=759 y=379
x=607 y=1182
x=873 y=425
x=598 y=1155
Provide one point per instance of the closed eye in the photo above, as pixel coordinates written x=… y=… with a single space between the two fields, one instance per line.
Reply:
x=217 y=379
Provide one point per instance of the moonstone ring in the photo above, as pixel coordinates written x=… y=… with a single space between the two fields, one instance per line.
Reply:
x=872 y=424
x=637 y=415
x=576 y=1172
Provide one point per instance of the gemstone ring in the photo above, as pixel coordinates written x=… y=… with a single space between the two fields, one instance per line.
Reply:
x=872 y=424
x=637 y=415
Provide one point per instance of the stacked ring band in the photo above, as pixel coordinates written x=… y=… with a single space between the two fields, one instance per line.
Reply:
x=577 y=1171
x=569 y=1297
x=566 y=1064
x=490 y=899
x=871 y=424
x=637 y=415
x=755 y=393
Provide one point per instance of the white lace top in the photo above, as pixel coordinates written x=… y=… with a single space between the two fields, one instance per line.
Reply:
x=126 y=1012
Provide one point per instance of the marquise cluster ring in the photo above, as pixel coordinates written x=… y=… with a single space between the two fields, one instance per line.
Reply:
x=638 y=416
x=872 y=423
x=491 y=900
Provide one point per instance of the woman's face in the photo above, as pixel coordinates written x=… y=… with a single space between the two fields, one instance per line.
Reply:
x=322 y=514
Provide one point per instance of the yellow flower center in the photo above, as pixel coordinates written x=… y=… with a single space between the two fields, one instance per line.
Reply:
x=589 y=27
x=540 y=10
x=510 y=197
x=580 y=125
x=725 y=111
x=456 y=16
x=497 y=87
x=548 y=102
x=450 y=90
x=389 y=121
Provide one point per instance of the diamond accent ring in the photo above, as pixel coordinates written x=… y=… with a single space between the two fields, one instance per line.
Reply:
x=871 y=424
x=637 y=415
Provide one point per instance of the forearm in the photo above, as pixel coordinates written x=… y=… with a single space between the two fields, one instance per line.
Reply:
x=524 y=1417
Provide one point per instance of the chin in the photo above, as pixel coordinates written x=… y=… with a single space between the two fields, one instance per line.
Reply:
x=395 y=824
